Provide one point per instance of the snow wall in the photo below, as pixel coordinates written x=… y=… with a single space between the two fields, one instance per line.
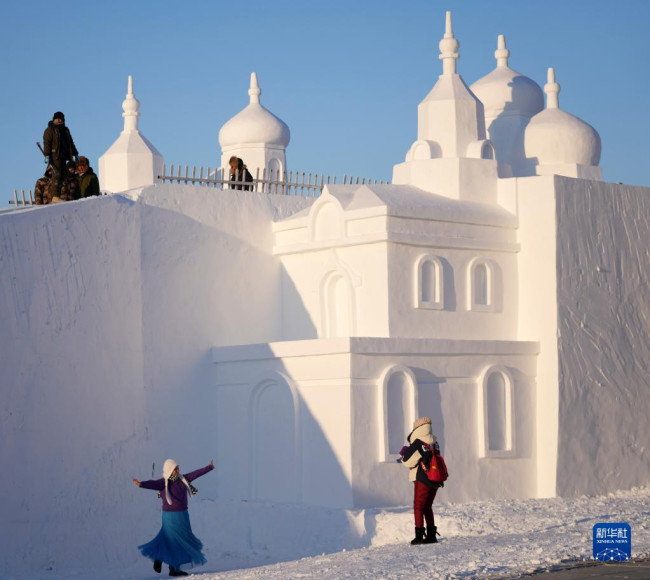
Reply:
x=108 y=310
x=603 y=266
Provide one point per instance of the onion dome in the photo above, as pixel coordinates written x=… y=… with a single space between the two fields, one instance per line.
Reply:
x=506 y=90
x=254 y=124
x=557 y=137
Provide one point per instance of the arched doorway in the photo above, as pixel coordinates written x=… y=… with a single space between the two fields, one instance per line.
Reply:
x=274 y=448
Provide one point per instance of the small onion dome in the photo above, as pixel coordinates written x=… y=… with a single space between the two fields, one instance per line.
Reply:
x=254 y=124
x=557 y=137
x=507 y=90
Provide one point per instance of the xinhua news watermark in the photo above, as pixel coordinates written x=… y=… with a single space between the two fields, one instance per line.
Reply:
x=612 y=542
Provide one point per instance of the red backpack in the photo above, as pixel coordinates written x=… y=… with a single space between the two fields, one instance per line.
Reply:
x=438 y=469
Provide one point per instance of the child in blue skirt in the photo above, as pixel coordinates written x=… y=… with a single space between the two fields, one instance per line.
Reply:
x=175 y=544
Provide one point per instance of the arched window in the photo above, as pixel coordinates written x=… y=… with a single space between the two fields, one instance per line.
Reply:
x=397 y=410
x=480 y=289
x=397 y=401
x=482 y=278
x=274 y=173
x=429 y=283
x=496 y=432
x=338 y=306
x=497 y=436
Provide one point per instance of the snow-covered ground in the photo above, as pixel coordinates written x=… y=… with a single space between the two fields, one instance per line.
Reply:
x=479 y=539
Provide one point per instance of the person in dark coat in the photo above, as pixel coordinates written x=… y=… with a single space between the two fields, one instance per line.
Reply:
x=88 y=182
x=70 y=189
x=420 y=450
x=239 y=173
x=42 y=192
x=175 y=544
x=59 y=149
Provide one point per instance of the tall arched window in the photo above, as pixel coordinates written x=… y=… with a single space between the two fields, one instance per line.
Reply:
x=429 y=283
x=496 y=421
x=482 y=285
x=397 y=410
x=397 y=401
x=480 y=290
x=496 y=396
x=338 y=308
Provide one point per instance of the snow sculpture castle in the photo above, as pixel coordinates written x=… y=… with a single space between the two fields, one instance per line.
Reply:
x=443 y=294
x=497 y=285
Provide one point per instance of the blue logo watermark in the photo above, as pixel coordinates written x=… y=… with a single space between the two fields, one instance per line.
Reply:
x=612 y=542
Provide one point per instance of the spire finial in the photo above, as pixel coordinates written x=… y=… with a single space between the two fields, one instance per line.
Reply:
x=448 y=48
x=501 y=53
x=254 y=91
x=131 y=108
x=552 y=90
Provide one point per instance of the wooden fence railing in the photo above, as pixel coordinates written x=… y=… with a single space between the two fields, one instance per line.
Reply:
x=22 y=201
x=283 y=183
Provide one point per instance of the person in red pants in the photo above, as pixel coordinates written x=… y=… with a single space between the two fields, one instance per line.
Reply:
x=420 y=450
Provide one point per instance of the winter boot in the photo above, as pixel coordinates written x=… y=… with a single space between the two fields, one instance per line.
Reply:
x=176 y=572
x=432 y=532
x=419 y=536
x=157 y=566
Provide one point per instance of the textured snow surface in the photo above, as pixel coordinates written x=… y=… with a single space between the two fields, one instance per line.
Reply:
x=603 y=345
x=479 y=539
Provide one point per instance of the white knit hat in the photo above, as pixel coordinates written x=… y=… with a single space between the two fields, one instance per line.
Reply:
x=168 y=469
x=421 y=421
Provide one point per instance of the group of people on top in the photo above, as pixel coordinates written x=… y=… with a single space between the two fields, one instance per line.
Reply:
x=68 y=175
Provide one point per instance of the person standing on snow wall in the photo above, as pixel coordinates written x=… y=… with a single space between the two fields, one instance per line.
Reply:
x=175 y=543
x=424 y=490
x=59 y=149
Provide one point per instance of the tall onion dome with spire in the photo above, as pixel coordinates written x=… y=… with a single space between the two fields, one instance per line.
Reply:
x=510 y=99
x=132 y=161
x=256 y=136
x=559 y=143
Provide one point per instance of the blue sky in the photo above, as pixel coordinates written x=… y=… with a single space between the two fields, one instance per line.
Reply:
x=345 y=76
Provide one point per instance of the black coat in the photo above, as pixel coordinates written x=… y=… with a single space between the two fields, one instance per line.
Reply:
x=242 y=176
x=426 y=457
x=58 y=144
